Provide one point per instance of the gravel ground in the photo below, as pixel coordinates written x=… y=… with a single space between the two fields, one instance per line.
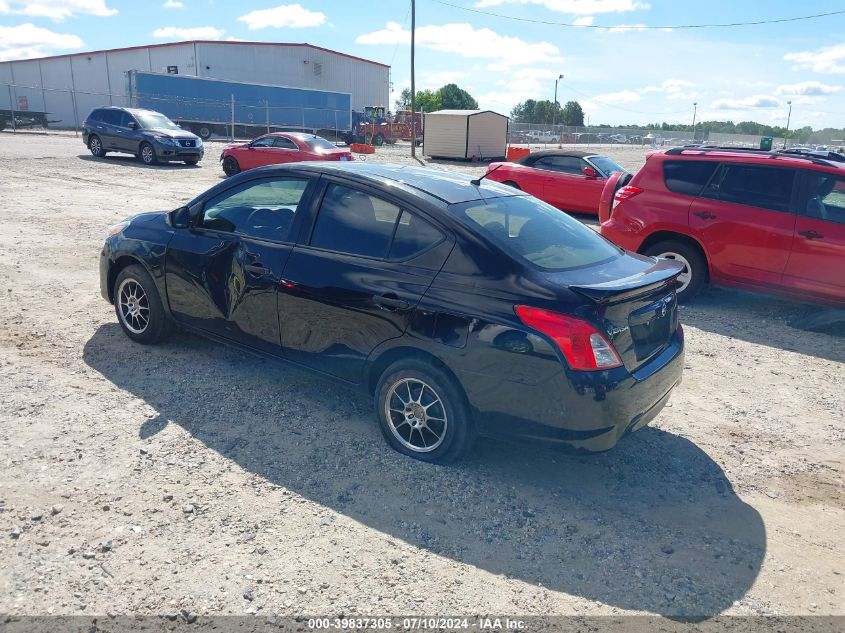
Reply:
x=190 y=476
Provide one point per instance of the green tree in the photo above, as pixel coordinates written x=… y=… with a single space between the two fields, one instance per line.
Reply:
x=572 y=114
x=454 y=98
x=404 y=100
x=428 y=101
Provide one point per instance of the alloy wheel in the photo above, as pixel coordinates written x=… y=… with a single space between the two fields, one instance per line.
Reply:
x=148 y=154
x=416 y=415
x=133 y=306
x=95 y=146
x=686 y=275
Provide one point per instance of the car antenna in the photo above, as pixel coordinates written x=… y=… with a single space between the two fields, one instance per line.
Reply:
x=477 y=181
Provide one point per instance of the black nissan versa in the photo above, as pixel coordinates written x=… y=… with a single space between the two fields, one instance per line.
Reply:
x=464 y=307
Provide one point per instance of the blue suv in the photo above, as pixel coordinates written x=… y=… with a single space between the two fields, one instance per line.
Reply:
x=149 y=135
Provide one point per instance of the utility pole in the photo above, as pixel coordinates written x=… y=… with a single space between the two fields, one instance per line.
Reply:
x=788 y=117
x=694 y=112
x=413 y=83
x=554 y=106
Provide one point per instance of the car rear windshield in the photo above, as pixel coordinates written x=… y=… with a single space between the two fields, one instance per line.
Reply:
x=607 y=165
x=316 y=142
x=151 y=120
x=536 y=232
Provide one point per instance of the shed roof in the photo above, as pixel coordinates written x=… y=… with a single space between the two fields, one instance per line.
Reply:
x=465 y=112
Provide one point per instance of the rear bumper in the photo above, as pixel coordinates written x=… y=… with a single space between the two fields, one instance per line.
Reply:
x=588 y=411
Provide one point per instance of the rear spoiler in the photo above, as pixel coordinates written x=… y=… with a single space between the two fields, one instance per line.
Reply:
x=663 y=273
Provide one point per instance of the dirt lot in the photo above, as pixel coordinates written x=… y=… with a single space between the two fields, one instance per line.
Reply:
x=190 y=476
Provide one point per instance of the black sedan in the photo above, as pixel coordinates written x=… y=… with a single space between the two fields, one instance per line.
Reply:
x=463 y=306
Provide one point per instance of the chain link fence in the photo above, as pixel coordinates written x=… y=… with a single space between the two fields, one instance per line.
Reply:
x=34 y=108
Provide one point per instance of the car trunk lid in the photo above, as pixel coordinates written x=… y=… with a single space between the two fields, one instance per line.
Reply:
x=637 y=311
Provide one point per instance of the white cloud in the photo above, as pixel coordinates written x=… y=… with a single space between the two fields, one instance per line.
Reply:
x=173 y=4
x=829 y=60
x=436 y=80
x=27 y=40
x=587 y=20
x=636 y=28
x=574 y=7
x=57 y=10
x=190 y=33
x=678 y=89
x=292 y=16
x=755 y=101
x=467 y=41
x=623 y=96
x=807 y=88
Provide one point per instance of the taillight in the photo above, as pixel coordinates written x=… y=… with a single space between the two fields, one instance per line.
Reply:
x=625 y=193
x=582 y=345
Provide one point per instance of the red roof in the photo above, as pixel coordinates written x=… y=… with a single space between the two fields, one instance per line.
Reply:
x=134 y=48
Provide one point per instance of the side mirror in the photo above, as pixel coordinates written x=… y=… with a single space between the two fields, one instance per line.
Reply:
x=179 y=218
x=589 y=172
x=133 y=125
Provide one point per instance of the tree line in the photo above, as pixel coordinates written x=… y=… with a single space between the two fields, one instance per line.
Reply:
x=546 y=112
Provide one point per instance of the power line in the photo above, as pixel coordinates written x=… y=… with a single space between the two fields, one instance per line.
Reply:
x=639 y=27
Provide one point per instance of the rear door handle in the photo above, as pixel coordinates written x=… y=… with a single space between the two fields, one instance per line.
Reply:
x=705 y=215
x=391 y=302
x=257 y=269
x=811 y=235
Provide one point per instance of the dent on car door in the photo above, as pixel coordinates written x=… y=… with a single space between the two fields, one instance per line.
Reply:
x=817 y=261
x=223 y=273
x=355 y=282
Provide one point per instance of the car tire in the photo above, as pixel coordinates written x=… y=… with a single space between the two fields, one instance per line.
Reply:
x=147 y=154
x=138 y=306
x=203 y=131
x=192 y=162
x=95 y=145
x=231 y=166
x=411 y=394
x=378 y=140
x=511 y=183
x=694 y=277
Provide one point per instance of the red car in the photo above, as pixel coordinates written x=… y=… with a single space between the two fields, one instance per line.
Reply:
x=758 y=220
x=280 y=147
x=571 y=181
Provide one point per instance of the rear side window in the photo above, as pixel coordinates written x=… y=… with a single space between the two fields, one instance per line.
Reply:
x=112 y=117
x=536 y=232
x=354 y=222
x=764 y=187
x=688 y=176
x=413 y=235
x=562 y=164
x=96 y=115
x=284 y=143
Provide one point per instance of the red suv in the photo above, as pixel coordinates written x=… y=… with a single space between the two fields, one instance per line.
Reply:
x=763 y=221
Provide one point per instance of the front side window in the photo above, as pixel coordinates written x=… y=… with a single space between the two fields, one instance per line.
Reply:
x=825 y=197
x=536 y=232
x=263 y=209
x=264 y=141
x=688 y=177
x=763 y=187
x=353 y=222
x=112 y=117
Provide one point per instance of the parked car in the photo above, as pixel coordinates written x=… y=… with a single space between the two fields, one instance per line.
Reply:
x=280 y=147
x=542 y=136
x=569 y=180
x=618 y=138
x=149 y=135
x=764 y=221
x=462 y=307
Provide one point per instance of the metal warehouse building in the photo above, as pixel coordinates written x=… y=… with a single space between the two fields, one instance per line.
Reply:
x=69 y=86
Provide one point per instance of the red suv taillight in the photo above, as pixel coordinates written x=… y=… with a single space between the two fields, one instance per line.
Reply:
x=625 y=193
x=583 y=346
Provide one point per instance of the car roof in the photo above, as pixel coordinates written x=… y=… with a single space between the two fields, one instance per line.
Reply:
x=783 y=159
x=448 y=186
x=129 y=110
x=561 y=152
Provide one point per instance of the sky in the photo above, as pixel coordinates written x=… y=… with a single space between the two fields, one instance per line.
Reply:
x=619 y=71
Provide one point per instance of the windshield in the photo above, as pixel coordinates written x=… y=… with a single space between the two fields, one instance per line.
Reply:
x=316 y=142
x=536 y=232
x=607 y=165
x=154 y=120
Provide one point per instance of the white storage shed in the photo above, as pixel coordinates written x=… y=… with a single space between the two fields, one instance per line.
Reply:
x=463 y=134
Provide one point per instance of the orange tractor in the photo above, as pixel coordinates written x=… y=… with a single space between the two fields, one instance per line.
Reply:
x=372 y=127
